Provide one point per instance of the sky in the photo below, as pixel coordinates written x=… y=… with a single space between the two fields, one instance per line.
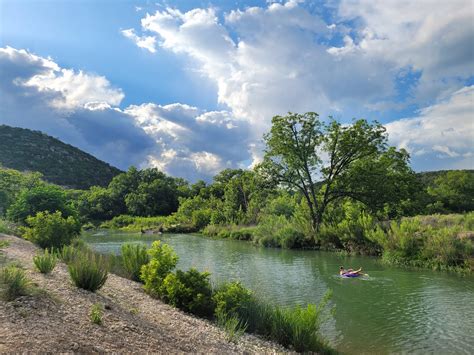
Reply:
x=190 y=87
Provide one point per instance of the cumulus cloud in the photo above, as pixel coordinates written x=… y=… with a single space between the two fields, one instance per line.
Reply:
x=146 y=42
x=192 y=141
x=432 y=37
x=367 y=56
x=80 y=109
x=444 y=130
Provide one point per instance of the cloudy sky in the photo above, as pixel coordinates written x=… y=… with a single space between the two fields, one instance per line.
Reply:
x=191 y=86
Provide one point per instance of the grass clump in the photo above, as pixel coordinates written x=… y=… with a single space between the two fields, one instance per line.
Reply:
x=96 y=314
x=88 y=271
x=13 y=283
x=134 y=256
x=233 y=327
x=4 y=243
x=45 y=262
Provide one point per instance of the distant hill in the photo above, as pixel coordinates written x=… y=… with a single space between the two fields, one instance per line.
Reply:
x=60 y=163
x=428 y=177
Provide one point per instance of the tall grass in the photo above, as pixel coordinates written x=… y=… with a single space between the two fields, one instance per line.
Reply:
x=45 y=262
x=13 y=283
x=88 y=271
x=134 y=256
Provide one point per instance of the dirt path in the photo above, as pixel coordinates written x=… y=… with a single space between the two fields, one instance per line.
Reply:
x=57 y=319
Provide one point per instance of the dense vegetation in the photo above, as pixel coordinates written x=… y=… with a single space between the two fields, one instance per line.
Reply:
x=25 y=150
x=320 y=185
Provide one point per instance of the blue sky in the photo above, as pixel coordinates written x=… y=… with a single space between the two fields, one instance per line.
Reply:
x=191 y=86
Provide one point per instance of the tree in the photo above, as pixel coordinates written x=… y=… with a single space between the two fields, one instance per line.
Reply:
x=357 y=164
x=40 y=198
x=455 y=190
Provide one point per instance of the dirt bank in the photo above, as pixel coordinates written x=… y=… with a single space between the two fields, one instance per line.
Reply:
x=56 y=318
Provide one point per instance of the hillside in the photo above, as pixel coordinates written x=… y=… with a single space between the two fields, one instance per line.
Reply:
x=60 y=163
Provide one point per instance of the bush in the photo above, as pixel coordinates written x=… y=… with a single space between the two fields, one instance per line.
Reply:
x=39 y=198
x=45 y=262
x=201 y=218
x=51 y=230
x=190 y=291
x=68 y=254
x=88 y=271
x=163 y=260
x=13 y=283
x=230 y=298
x=96 y=314
x=134 y=256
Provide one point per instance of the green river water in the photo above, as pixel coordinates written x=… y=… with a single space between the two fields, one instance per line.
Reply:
x=394 y=310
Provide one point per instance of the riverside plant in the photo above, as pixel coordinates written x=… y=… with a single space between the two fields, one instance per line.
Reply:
x=13 y=283
x=45 y=262
x=134 y=256
x=233 y=327
x=88 y=271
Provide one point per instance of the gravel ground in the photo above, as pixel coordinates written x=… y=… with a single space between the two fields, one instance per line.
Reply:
x=56 y=318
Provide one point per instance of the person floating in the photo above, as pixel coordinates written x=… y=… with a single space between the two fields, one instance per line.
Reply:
x=350 y=272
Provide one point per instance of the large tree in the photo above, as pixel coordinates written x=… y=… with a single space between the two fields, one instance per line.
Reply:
x=332 y=161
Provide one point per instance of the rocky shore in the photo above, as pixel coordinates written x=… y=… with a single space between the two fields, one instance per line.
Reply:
x=55 y=317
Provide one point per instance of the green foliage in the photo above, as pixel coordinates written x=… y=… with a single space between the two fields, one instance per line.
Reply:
x=68 y=254
x=297 y=327
x=453 y=191
x=163 y=260
x=13 y=283
x=4 y=243
x=45 y=262
x=230 y=298
x=229 y=232
x=51 y=230
x=232 y=326
x=38 y=199
x=7 y=227
x=277 y=231
x=190 y=291
x=360 y=166
x=59 y=163
x=134 y=256
x=88 y=271
x=96 y=314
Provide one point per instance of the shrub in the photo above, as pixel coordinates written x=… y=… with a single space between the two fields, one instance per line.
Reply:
x=13 y=283
x=201 y=218
x=45 y=262
x=88 y=271
x=190 y=291
x=96 y=314
x=51 y=230
x=230 y=298
x=7 y=227
x=163 y=260
x=134 y=256
x=68 y=253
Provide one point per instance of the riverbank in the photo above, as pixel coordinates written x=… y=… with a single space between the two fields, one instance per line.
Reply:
x=55 y=318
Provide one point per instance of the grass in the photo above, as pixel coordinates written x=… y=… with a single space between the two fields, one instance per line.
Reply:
x=233 y=327
x=45 y=262
x=88 y=271
x=7 y=227
x=13 y=283
x=134 y=256
x=4 y=243
x=96 y=314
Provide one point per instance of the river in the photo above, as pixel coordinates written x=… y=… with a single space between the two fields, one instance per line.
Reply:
x=393 y=310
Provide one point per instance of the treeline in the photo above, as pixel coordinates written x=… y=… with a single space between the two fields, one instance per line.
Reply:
x=320 y=185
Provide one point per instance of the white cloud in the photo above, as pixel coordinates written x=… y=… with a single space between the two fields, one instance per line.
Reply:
x=70 y=89
x=446 y=128
x=179 y=139
x=146 y=42
x=432 y=37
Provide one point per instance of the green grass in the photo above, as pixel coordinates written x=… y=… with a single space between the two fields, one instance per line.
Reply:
x=96 y=314
x=88 y=271
x=233 y=327
x=134 y=256
x=45 y=262
x=4 y=243
x=13 y=283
